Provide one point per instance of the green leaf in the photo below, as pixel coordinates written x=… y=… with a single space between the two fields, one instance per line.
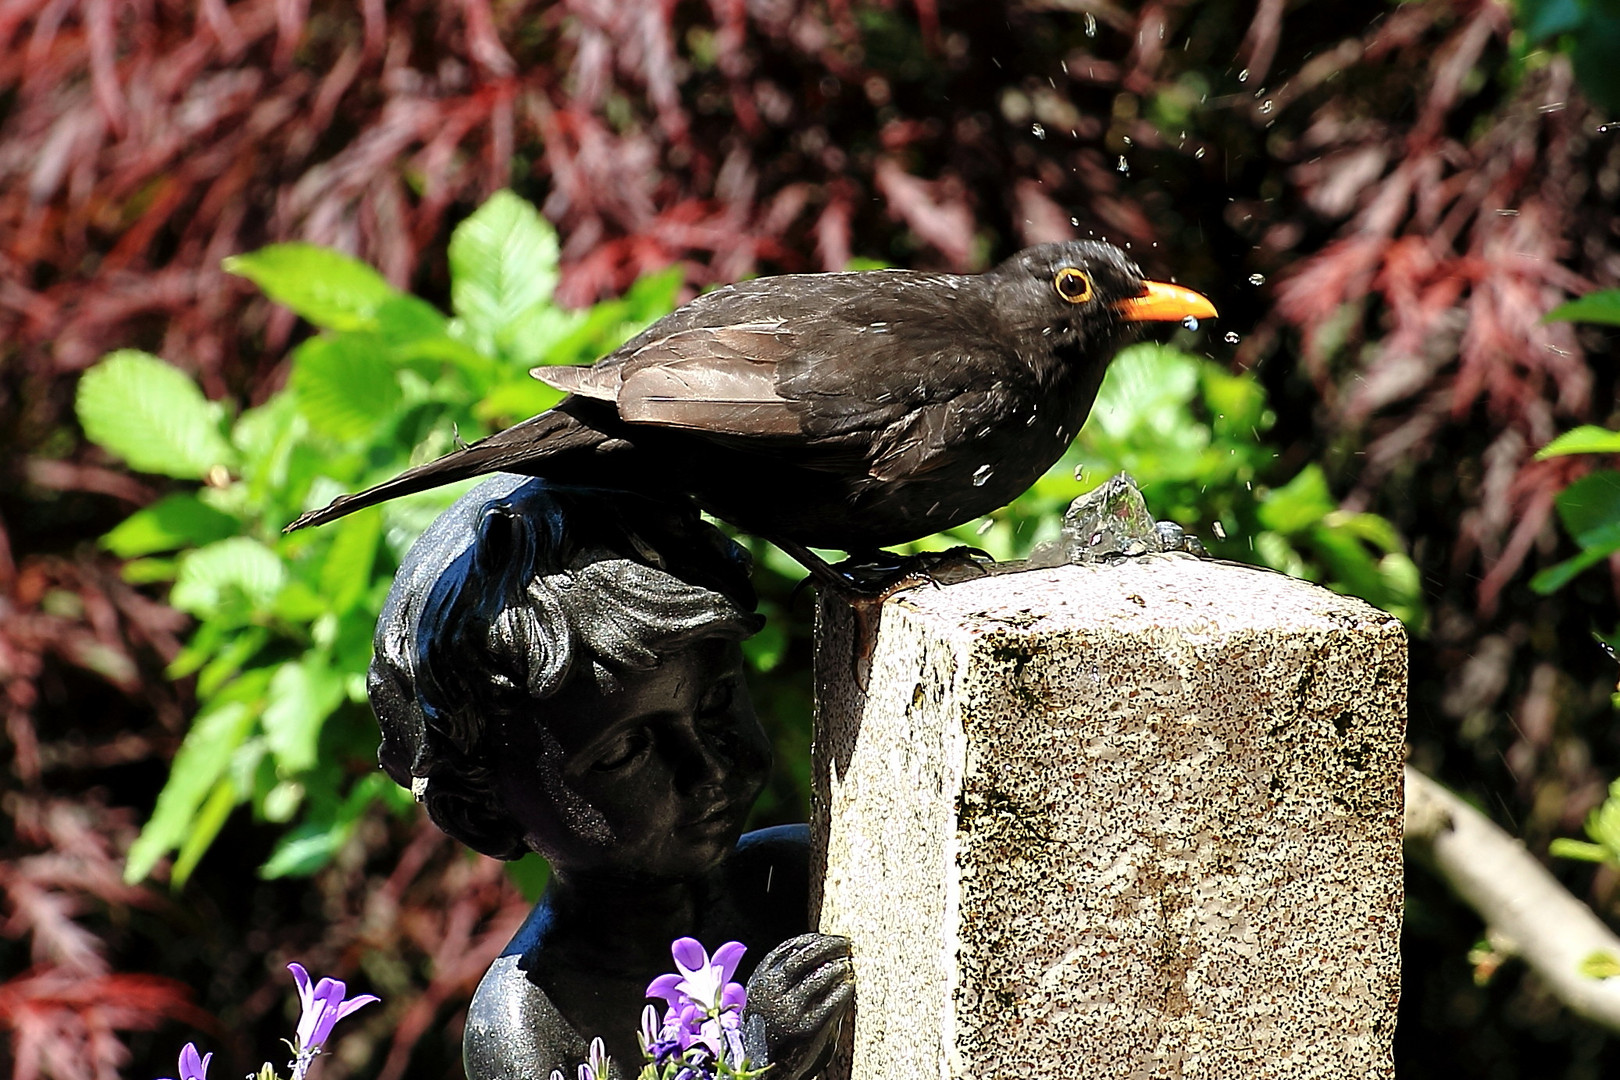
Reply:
x=1580 y=850
x=1147 y=387
x=1546 y=18
x=1599 y=965
x=212 y=575
x=1593 y=50
x=1594 y=307
x=534 y=337
x=229 y=653
x=1590 y=504
x=403 y=319
x=211 y=818
x=175 y=521
x=530 y=875
x=306 y=849
x=345 y=384
x=652 y=296
x=1603 y=824
x=503 y=261
x=199 y=764
x=516 y=400
x=152 y=415
x=330 y=289
x=1586 y=439
x=347 y=571
x=1556 y=577
x=303 y=693
x=1297 y=505
x=311 y=846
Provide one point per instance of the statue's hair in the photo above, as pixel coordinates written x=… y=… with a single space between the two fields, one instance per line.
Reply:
x=519 y=587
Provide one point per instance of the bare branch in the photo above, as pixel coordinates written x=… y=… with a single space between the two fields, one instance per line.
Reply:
x=1523 y=905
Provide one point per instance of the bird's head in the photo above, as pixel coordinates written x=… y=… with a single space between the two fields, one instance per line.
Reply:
x=1086 y=293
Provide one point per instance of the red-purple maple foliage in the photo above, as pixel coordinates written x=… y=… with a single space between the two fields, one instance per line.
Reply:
x=1409 y=194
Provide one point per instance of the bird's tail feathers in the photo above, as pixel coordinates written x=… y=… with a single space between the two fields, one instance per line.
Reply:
x=522 y=448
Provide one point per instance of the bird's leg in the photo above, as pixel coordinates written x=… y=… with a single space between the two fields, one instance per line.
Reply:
x=821 y=571
x=876 y=572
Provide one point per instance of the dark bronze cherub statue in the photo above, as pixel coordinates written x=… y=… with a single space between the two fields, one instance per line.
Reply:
x=557 y=670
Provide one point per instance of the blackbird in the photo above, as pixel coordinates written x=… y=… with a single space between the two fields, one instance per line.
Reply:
x=848 y=410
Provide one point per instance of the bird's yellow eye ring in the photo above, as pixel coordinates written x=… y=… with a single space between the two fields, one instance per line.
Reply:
x=1073 y=285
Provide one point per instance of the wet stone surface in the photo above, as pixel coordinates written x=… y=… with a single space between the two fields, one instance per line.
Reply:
x=1135 y=820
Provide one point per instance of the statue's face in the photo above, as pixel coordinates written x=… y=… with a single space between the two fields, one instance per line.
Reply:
x=656 y=778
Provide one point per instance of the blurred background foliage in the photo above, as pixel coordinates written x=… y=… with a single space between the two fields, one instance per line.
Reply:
x=1383 y=199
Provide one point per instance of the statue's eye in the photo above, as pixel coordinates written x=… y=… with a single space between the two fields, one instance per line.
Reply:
x=624 y=751
x=1073 y=285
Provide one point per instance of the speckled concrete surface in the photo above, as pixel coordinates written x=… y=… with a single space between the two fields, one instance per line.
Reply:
x=1132 y=821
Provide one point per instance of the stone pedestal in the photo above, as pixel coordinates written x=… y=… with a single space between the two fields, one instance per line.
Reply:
x=1130 y=821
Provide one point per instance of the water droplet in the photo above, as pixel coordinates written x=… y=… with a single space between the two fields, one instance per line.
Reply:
x=1037 y=130
x=1199 y=153
x=1124 y=166
x=1091 y=25
x=1604 y=129
x=1257 y=279
x=981 y=474
x=984 y=528
x=1232 y=337
x=1243 y=76
x=1127 y=139
x=1220 y=530
x=1265 y=106
x=1190 y=323
x=1075 y=222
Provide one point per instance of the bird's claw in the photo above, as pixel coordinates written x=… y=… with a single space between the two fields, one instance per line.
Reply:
x=882 y=573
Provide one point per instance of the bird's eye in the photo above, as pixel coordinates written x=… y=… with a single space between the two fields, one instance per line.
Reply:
x=1073 y=285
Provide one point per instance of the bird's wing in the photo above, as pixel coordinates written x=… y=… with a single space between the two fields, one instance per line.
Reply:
x=762 y=367
x=719 y=381
x=918 y=444
x=582 y=380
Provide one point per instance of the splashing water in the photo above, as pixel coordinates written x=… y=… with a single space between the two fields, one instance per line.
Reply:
x=1257 y=279
x=1243 y=76
x=1037 y=130
x=1124 y=166
x=1231 y=337
x=981 y=474
x=1091 y=25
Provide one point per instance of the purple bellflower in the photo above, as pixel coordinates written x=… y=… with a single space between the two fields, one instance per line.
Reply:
x=193 y=1066
x=701 y=1030
x=323 y=1006
x=595 y=1066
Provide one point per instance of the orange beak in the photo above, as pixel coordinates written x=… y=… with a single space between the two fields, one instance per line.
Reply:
x=1163 y=302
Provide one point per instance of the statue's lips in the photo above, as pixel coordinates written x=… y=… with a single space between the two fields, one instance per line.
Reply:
x=718 y=819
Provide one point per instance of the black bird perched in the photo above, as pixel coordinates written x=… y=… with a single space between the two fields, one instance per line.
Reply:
x=846 y=411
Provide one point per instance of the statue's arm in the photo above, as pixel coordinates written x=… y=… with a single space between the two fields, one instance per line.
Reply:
x=797 y=997
x=514 y=1032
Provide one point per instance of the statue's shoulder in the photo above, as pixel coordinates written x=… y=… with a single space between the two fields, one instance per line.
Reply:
x=771 y=869
x=514 y=1032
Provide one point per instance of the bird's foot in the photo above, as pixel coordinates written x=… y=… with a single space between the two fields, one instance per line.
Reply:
x=877 y=574
x=882 y=573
